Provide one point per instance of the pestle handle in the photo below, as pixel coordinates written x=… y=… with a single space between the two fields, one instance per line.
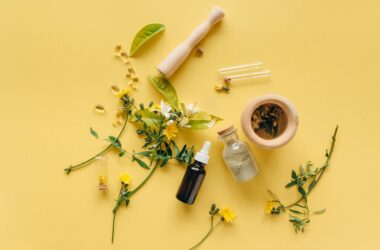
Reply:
x=172 y=62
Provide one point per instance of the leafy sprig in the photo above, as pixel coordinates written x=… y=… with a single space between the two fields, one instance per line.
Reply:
x=305 y=180
x=127 y=106
x=225 y=214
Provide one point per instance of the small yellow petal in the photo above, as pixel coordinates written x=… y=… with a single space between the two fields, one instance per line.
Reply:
x=171 y=131
x=122 y=93
x=227 y=214
x=125 y=179
x=270 y=206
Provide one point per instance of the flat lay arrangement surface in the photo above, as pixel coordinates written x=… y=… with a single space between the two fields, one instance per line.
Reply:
x=124 y=122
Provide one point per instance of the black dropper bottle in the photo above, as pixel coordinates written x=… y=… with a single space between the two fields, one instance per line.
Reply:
x=194 y=176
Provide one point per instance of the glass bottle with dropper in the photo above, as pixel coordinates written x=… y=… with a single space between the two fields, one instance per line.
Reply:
x=193 y=178
x=237 y=155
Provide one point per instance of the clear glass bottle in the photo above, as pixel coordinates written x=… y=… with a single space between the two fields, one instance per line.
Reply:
x=237 y=155
x=102 y=168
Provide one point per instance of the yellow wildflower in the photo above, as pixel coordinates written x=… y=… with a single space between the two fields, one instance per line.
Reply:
x=227 y=214
x=125 y=179
x=155 y=107
x=122 y=93
x=272 y=207
x=171 y=131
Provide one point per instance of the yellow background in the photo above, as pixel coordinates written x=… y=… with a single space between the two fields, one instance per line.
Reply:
x=56 y=63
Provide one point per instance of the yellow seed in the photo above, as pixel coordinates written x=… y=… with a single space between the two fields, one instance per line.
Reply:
x=124 y=54
x=128 y=75
x=199 y=52
x=115 y=89
x=99 y=109
x=135 y=79
x=118 y=48
x=116 y=123
x=130 y=70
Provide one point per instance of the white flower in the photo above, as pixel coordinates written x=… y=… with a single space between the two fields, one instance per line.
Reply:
x=165 y=109
x=170 y=122
x=191 y=109
x=184 y=123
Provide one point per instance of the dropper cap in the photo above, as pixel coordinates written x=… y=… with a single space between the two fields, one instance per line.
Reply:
x=202 y=156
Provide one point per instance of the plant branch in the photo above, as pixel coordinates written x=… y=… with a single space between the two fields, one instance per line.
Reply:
x=145 y=180
x=212 y=227
x=325 y=165
x=88 y=161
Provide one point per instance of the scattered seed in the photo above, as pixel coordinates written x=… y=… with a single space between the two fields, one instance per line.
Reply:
x=130 y=70
x=118 y=48
x=199 y=52
x=115 y=89
x=116 y=123
x=135 y=79
x=100 y=109
x=124 y=54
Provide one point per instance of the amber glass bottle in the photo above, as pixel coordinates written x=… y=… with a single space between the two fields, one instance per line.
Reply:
x=194 y=176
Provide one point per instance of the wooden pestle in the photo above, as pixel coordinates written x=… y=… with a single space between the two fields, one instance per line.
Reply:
x=172 y=62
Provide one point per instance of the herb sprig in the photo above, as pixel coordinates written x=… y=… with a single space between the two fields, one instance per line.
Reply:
x=309 y=176
x=127 y=106
x=225 y=214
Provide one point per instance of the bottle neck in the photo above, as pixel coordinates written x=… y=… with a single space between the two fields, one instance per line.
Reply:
x=229 y=139
x=198 y=164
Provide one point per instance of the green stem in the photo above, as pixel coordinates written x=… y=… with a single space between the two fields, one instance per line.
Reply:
x=113 y=226
x=118 y=201
x=325 y=165
x=88 y=161
x=145 y=180
x=212 y=227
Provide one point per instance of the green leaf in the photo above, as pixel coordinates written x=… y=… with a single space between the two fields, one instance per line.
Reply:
x=294 y=175
x=164 y=161
x=203 y=120
x=144 y=153
x=291 y=184
x=122 y=152
x=312 y=185
x=302 y=191
x=140 y=162
x=114 y=141
x=320 y=211
x=308 y=166
x=295 y=211
x=302 y=171
x=93 y=132
x=298 y=205
x=213 y=206
x=150 y=118
x=274 y=196
x=166 y=89
x=144 y=35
